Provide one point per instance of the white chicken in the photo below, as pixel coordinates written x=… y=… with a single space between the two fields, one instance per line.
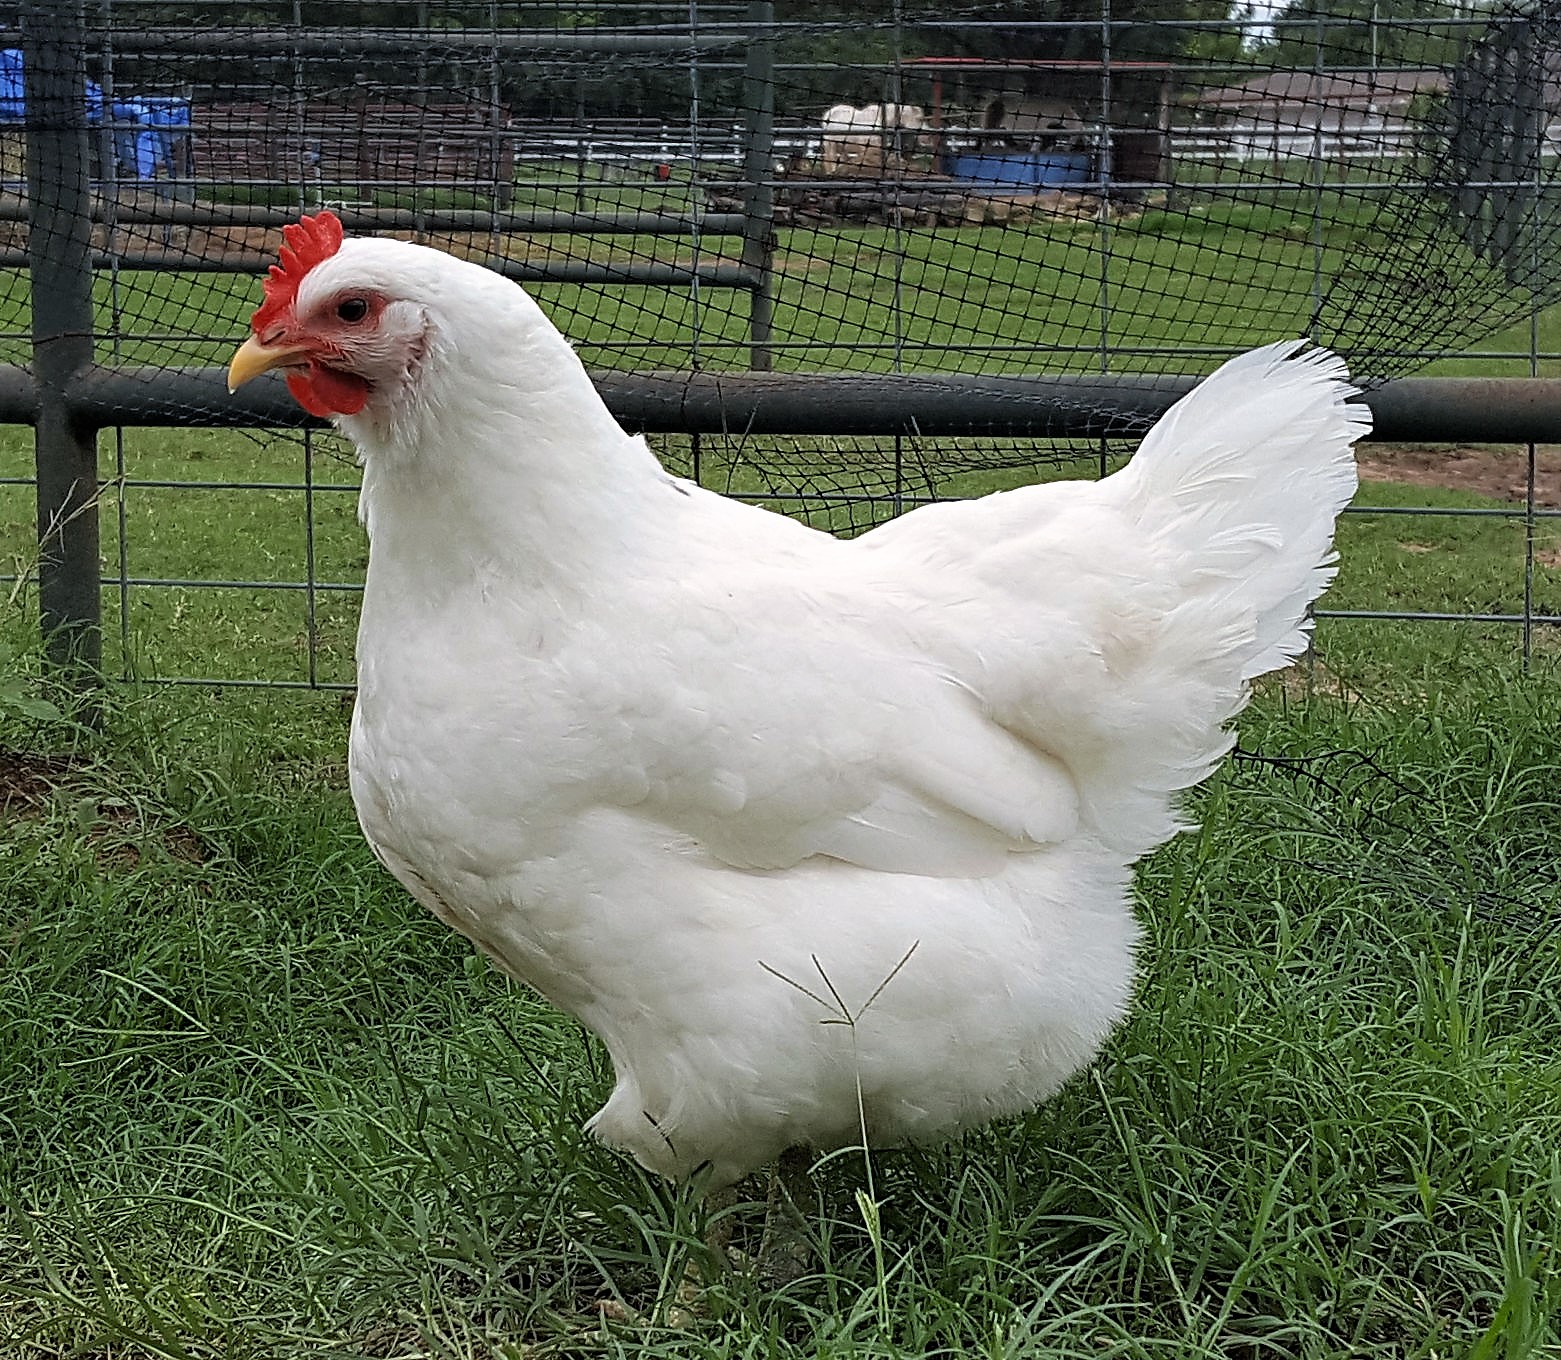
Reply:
x=709 y=779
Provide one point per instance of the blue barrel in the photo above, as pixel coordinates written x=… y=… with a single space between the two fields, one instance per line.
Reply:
x=1026 y=171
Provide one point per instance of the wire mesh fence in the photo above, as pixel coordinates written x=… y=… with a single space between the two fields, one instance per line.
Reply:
x=1076 y=204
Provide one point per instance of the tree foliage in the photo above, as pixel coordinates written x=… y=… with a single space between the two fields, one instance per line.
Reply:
x=1371 y=33
x=1073 y=30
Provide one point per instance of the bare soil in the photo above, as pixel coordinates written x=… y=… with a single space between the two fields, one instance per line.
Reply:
x=1500 y=473
x=26 y=781
x=29 y=782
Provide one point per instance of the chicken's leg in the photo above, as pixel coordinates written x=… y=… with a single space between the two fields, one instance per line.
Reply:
x=784 y=1251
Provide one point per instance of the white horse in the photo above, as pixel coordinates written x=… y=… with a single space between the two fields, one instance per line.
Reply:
x=868 y=138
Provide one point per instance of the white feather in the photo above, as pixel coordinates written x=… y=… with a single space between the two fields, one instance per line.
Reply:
x=693 y=770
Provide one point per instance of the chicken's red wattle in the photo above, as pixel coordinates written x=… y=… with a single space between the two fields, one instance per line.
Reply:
x=328 y=391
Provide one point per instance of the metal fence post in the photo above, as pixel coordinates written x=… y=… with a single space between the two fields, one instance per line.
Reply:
x=759 y=172
x=59 y=246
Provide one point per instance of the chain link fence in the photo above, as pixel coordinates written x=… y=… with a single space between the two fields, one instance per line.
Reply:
x=842 y=263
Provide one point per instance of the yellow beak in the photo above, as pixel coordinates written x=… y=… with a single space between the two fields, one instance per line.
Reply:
x=253 y=359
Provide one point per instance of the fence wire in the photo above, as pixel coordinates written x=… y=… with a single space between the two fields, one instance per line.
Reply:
x=886 y=188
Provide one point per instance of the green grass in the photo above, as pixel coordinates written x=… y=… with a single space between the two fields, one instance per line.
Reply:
x=258 y=1104
x=254 y=1103
x=1037 y=297
x=1442 y=564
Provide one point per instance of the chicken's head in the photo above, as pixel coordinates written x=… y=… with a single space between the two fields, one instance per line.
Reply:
x=410 y=349
x=342 y=330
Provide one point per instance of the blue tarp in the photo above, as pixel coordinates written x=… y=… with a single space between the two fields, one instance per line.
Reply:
x=144 y=129
x=13 y=104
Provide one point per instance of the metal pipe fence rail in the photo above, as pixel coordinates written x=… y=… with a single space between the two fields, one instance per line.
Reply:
x=732 y=215
x=1523 y=411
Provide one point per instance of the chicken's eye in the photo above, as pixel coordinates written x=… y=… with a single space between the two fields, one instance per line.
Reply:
x=352 y=309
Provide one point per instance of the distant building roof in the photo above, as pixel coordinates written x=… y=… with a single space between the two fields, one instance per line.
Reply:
x=1289 y=92
x=1033 y=64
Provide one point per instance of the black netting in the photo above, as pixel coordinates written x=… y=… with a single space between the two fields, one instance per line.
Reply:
x=934 y=191
x=1064 y=190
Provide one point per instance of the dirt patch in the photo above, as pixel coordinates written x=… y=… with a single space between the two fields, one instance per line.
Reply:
x=1499 y=473
x=1308 y=679
x=116 y=829
x=26 y=781
x=121 y=840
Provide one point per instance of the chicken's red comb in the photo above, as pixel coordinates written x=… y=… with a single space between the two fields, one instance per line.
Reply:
x=304 y=244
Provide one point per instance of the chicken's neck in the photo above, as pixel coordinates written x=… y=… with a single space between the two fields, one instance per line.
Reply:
x=546 y=495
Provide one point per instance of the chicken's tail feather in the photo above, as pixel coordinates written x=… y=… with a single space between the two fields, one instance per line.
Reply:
x=1242 y=482
x=1233 y=495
